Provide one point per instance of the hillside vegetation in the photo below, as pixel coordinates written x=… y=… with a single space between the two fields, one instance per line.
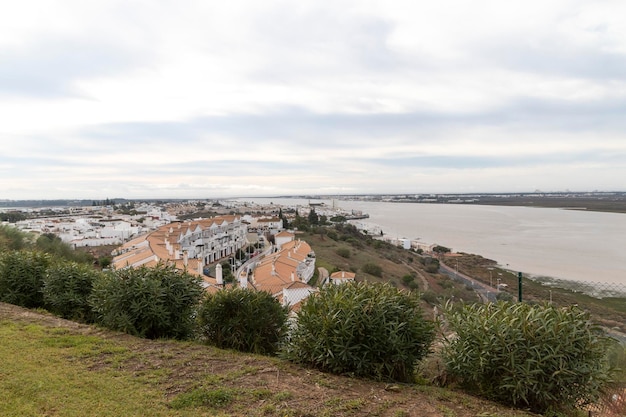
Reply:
x=54 y=367
x=102 y=369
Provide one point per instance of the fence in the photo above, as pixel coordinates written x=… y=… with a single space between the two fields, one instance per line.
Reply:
x=612 y=405
x=593 y=289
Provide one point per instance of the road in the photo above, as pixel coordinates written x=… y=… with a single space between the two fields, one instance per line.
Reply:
x=484 y=291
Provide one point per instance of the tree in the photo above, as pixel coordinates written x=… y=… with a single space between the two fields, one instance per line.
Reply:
x=12 y=216
x=441 y=249
x=283 y=218
x=313 y=217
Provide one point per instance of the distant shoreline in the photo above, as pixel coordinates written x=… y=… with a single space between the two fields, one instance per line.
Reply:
x=608 y=202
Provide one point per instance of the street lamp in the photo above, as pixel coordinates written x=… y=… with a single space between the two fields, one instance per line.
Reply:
x=490 y=277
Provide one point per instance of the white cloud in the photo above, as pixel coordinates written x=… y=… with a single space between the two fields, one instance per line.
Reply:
x=179 y=99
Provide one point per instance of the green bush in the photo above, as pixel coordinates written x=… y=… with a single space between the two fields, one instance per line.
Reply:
x=159 y=302
x=66 y=290
x=242 y=319
x=52 y=244
x=343 y=252
x=12 y=238
x=407 y=279
x=370 y=330
x=504 y=296
x=21 y=277
x=372 y=269
x=430 y=297
x=539 y=357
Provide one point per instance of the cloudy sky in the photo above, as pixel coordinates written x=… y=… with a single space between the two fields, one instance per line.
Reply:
x=201 y=99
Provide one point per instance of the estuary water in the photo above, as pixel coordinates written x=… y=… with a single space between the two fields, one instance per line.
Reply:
x=566 y=244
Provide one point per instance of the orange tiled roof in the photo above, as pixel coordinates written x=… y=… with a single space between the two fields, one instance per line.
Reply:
x=137 y=252
x=343 y=275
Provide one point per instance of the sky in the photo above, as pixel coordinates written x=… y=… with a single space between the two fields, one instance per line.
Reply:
x=206 y=99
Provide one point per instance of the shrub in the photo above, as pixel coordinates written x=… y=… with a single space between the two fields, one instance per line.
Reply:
x=413 y=285
x=242 y=319
x=12 y=238
x=355 y=242
x=21 y=277
x=343 y=252
x=372 y=269
x=430 y=297
x=541 y=357
x=408 y=278
x=370 y=330
x=504 y=296
x=157 y=302
x=66 y=290
x=52 y=244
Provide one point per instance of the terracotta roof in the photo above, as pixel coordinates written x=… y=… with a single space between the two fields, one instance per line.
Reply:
x=140 y=249
x=343 y=275
x=285 y=233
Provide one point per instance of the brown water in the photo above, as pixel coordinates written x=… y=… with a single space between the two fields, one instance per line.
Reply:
x=567 y=244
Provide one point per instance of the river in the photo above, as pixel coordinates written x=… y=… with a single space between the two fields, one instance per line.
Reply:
x=566 y=244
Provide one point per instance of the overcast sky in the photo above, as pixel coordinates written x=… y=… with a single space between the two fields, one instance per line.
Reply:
x=202 y=99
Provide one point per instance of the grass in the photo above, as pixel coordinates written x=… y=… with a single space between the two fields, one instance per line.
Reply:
x=51 y=367
x=40 y=378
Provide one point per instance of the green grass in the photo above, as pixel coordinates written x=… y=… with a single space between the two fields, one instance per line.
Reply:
x=53 y=369
x=38 y=377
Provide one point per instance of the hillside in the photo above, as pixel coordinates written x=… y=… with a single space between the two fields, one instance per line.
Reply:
x=54 y=367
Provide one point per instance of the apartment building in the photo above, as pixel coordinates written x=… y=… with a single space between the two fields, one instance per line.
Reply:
x=190 y=245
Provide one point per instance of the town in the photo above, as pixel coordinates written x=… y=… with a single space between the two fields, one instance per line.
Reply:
x=225 y=243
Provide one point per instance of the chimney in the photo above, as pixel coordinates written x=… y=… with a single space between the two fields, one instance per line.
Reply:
x=293 y=277
x=185 y=258
x=218 y=274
